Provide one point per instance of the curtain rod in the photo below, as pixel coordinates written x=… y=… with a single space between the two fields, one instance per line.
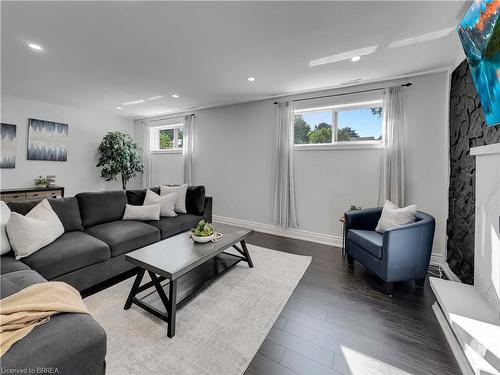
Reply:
x=408 y=84
x=168 y=118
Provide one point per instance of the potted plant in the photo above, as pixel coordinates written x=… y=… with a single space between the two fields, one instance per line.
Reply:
x=204 y=232
x=40 y=181
x=119 y=155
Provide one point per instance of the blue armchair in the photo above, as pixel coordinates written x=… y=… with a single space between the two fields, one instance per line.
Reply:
x=399 y=254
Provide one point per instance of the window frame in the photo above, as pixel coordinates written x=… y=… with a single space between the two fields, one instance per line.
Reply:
x=340 y=145
x=154 y=140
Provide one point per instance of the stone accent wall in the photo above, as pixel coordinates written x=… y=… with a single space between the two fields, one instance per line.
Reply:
x=467 y=129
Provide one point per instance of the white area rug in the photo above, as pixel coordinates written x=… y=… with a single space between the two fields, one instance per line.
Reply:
x=218 y=332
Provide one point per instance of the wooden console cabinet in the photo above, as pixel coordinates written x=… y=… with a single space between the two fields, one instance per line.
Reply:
x=31 y=193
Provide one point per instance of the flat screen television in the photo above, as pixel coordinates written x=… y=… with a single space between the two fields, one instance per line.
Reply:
x=479 y=32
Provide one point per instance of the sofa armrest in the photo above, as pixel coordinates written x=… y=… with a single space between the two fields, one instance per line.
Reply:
x=365 y=219
x=407 y=249
x=207 y=212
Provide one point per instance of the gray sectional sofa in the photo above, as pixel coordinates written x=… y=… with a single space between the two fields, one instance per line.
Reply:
x=91 y=251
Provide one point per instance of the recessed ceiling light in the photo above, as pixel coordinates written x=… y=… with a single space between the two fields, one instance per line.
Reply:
x=119 y=107
x=155 y=97
x=34 y=46
x=175 y=96
x=251 y=79
x=355 y=58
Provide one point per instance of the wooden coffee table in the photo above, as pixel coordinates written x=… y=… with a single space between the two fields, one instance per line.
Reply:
x=187 y=265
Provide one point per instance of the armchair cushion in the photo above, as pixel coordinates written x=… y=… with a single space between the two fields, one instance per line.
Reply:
x=368 y=240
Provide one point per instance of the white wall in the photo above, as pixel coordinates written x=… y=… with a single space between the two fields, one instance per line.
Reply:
x=85 y=132
x=235 y=161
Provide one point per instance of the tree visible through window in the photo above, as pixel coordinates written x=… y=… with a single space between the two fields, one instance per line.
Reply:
x=351 y=124
x=169 y=137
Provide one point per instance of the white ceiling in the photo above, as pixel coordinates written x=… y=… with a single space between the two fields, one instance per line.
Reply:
x=99 y=55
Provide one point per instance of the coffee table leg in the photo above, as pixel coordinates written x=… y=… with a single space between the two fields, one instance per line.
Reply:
x=133 y=291
x=172 y=308
x=247 y=254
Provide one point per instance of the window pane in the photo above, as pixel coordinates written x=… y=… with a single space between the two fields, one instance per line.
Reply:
x=166 y=140
x=314 y=127
x=360 y=125
x=180 y=137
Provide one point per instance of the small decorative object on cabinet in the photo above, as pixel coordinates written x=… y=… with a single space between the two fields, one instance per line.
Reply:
x=51 y=180
x=40 y=181
x=31 y=193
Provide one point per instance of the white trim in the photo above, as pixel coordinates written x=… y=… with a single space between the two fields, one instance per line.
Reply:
x=462 y=361
x=449 y=273
x=354 y=145
x=348 y=106
x=170 y=151
x=493 y=148
x=325 y=239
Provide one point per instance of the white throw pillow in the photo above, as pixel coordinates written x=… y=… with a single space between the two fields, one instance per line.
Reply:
x=142 y=213
x=4 y=219
x=40 y=227
x=393 y=216
x=166 y=202
x=180 y=204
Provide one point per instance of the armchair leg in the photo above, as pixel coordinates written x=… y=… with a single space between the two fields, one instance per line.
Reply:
x=389 y=288
x=350 y=261
x=420 y=283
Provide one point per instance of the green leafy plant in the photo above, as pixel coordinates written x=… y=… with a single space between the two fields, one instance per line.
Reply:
x=203 y=229
x=119 y=155
x=41 y=181
x=354 y=208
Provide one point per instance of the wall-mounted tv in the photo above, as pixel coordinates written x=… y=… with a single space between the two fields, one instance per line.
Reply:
x=479 y=32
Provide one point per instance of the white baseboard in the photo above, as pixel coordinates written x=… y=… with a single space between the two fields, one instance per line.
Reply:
x=325 y=239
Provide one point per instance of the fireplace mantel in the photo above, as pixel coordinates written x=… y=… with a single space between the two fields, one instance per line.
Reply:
x=470 y=314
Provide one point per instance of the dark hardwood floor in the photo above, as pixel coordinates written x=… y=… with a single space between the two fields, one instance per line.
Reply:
x=338 y=321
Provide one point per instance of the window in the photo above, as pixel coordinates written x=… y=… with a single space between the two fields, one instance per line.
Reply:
x=352 y=123
x=167 y=138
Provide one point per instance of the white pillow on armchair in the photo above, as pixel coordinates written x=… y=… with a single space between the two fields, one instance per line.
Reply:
x=393 y=216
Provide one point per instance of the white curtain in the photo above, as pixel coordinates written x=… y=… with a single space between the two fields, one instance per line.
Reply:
x=188 y=149
x=392 y=186
x=146 y=153
x=285 y=214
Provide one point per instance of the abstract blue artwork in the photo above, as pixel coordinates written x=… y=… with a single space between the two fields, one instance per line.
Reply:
x=8 y=146
x=479 y=32
x=47 y=140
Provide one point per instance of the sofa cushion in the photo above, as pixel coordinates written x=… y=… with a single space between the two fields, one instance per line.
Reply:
x=368 y=240
x=101 y=207
x=69 y=343
x=170 y=226
x=125 y=236
x=22 y=207
x=9 y=264
x=68 y=212
x=15 y=281
x=195 y=200
x=71 y=251
x=136 y=197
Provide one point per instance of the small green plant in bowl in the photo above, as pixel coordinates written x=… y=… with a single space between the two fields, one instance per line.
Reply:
x=204 y=232
x=40 y=181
